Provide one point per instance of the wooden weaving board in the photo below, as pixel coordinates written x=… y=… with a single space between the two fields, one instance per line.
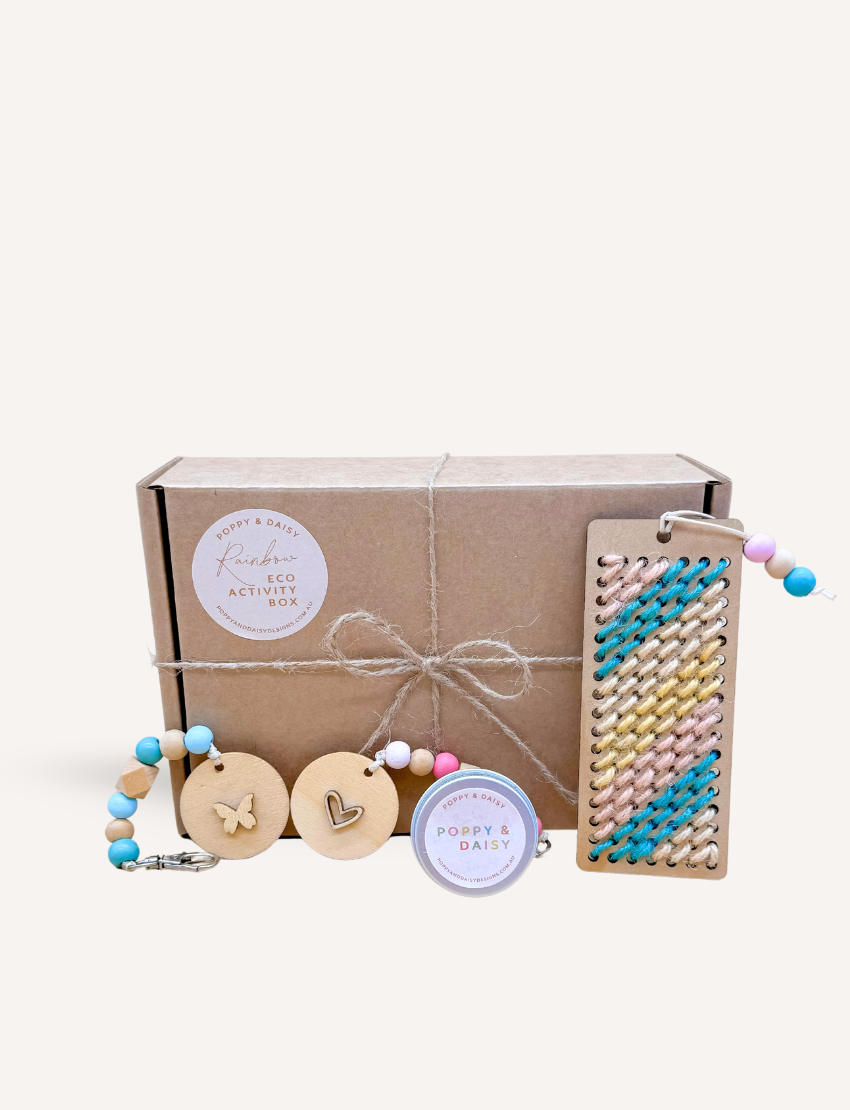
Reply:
x=685 y=753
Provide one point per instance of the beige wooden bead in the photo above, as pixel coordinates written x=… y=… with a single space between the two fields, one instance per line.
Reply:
x=421 y=762
x=119 y=829
x=136 y=778
x=171 y=745
x=780 y=563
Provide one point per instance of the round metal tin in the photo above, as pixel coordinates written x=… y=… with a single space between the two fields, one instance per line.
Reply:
x=474 y=832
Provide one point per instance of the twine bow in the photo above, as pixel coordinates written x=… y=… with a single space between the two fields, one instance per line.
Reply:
x=450 y=669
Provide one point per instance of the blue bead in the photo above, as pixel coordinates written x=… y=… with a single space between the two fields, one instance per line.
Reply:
x=198 y=739
x=147 y=750
x=119 y=805
x=799 y=582
x=122 y=850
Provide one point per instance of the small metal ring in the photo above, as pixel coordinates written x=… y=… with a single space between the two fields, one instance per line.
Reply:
x=542 y=839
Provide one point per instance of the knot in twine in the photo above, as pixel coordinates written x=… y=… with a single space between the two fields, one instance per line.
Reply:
x=443 y=669
x=450 y=669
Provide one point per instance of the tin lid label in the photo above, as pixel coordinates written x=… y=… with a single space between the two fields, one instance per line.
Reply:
x=475 y=837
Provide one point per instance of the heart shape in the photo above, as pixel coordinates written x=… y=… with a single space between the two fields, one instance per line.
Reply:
x=344 y=820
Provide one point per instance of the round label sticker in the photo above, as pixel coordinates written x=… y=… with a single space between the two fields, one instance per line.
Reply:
x=475 y=837
x=259 y=574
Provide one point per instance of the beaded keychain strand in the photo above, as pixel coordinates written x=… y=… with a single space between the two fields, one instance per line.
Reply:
x=759 y=547
x=136 y=780
x=141 y=771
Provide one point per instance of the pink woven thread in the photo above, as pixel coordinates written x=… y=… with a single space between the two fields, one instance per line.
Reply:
x=623 y=589
x=612 y=565
x=674 y=752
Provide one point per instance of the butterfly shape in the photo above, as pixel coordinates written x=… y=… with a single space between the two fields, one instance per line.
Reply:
x=234 y=817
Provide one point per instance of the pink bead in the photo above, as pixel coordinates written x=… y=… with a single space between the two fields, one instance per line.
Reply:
x=759 y=547
x=445 y=764
x=539 y=828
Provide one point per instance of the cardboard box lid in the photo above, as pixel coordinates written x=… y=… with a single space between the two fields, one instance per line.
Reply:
x=354 y=473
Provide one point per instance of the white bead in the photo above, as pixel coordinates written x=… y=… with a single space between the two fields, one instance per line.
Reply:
x=397 y=754
x=171 y=745
x=780 y=563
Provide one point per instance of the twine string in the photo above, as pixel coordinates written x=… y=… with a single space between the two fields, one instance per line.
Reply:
x=449 y=669
x=432 y=596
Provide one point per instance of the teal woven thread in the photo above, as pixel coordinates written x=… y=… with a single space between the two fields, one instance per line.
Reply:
x=625 y=615
x=695 y=569
x=620 y=638
x=689 y=595
x=669 y=809
x=653 y=591
x=694 y=780
x=672 y=807
x=674 y=612
x=674 y=591
x=606 y=668
x=640 y=851
x=673 y=571
x=718 y=570
x=679 y=588
x=638 y=848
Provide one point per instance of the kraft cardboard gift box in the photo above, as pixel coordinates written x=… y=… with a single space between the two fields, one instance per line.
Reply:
x=251 y=560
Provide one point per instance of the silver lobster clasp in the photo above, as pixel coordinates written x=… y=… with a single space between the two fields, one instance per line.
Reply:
x=180 y=861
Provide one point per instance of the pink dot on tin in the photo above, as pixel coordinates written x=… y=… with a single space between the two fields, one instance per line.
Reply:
x=759 y=547
x=445 y=764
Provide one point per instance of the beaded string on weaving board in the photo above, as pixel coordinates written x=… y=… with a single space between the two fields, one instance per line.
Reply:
x=658 y=685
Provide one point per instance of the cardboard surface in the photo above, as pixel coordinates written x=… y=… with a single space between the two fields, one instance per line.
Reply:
x=510 y=543
x=533 y=470
x=636 y=539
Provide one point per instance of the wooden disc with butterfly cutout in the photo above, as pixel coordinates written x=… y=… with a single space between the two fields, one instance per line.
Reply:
x=237 y=812
x=340 y=810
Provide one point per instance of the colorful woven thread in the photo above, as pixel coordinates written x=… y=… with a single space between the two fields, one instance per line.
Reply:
x=658 y=697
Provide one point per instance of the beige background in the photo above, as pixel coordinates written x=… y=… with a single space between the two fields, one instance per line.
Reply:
x=393 y=229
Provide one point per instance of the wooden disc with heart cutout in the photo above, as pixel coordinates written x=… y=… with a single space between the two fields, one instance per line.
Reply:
x=237 y=812
x=325 y=800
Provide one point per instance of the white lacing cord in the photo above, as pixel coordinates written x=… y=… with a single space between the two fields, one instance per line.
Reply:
x=380 y=760
x=823 y=590
x=706 y=520
x=215 y=755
